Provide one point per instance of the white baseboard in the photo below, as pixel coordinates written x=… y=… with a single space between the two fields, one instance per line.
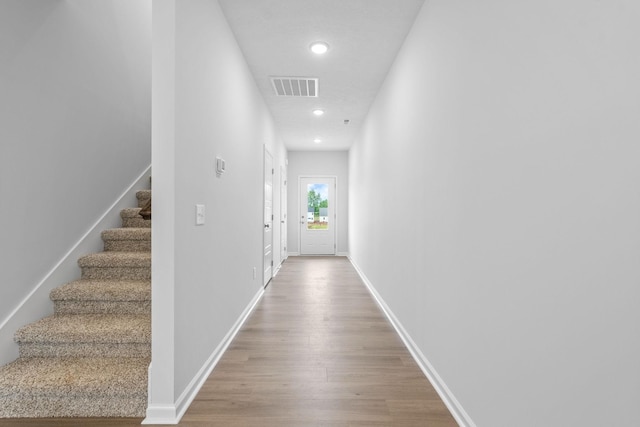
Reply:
x=161 y=414
x=171 y=414
x=37 y=304
x=277 y=269
x=454 y=406
x=336 y=254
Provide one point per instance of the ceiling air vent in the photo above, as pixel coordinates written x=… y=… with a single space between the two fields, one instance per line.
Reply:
x=295 y=86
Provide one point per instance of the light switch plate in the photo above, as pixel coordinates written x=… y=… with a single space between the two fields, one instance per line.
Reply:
x=221 y=165
x=200 y=214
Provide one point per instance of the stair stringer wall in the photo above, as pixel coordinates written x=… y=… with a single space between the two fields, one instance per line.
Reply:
x=37 y=303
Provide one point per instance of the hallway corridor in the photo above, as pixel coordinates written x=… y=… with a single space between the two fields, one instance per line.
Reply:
x=316 y=351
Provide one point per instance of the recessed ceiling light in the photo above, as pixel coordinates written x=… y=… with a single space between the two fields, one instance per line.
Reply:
x=317 y=140
x=319 y=48
x=318 y=112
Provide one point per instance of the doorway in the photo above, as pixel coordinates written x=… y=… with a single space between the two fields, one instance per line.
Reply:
x=317 y=215
x=283 y=214
x=267 y=262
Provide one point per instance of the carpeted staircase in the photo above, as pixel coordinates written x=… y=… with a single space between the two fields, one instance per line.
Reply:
x=90 y=358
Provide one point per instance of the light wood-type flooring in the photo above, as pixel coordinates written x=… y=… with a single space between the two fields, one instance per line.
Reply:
x=316 y=351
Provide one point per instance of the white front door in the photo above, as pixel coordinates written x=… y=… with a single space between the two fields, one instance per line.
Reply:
x=317 y=215
x=267 y=263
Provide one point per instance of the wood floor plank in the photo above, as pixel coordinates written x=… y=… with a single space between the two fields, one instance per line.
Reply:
x=316 y=351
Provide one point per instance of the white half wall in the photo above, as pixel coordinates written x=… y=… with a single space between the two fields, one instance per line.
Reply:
x=75 y=130
x=504 y=148
x=322 y=163
x=206 y=104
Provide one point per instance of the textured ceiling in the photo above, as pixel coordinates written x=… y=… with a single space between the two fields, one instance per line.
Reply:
x=364 y=38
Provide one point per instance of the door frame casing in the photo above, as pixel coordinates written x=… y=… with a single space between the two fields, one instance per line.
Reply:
x=283 y=213
x=335 y=210
x=266 y=152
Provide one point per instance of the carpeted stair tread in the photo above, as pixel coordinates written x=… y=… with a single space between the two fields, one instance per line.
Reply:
x=128 y=233
x=110 y=265
x=131 y=218
x=116 y=259
x=87 y=328
x=127 y=239
x=143 y=196
x=103 y=297
x=73 y=387
x=75 y=375
x=131 y=213
x=98 y=290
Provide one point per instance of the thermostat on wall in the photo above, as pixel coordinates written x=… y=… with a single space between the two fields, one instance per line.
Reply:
x=220 y=165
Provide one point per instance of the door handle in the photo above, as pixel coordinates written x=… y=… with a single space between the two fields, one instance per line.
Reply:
x=266 y=226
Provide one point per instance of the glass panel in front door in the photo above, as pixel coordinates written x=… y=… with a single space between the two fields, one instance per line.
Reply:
x=317 y=206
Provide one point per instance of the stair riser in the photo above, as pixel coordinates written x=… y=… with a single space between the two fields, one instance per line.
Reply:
x=64 y=405
x=138 y=350
x=131 y=218
x=136 y=223
x=102 y=307
x=127 y=245
x=124 y=273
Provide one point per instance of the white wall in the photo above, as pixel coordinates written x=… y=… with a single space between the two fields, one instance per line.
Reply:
x=75 y=129
x=205 y=104
x=505 y=145
x=309 y=163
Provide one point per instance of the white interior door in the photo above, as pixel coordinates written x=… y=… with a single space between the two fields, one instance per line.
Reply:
x=317 y=215
x=268 y=218
x=283 y=213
